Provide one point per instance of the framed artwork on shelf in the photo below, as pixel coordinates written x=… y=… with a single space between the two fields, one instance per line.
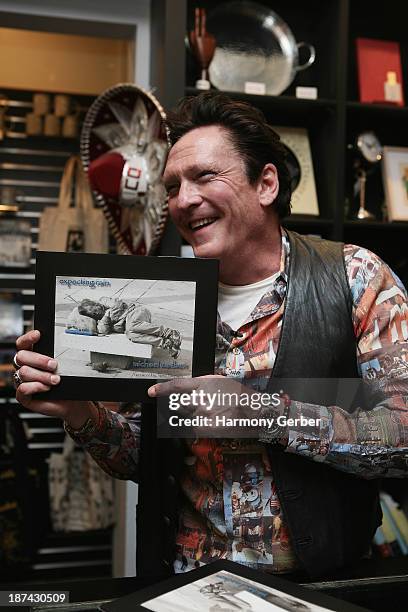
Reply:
x=299 y=159
x=395 y=179
x=117 y=324
x=379 y=71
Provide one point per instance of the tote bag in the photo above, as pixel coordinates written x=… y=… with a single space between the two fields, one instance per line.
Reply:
x=81 y=493
x=78 y=228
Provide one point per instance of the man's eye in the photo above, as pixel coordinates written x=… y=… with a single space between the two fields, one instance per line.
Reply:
x=206 y=174
x=172 y=190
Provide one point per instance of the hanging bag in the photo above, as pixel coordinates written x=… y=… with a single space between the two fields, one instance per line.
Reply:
x=78 y=228
x=81 y=493
x=23 y=505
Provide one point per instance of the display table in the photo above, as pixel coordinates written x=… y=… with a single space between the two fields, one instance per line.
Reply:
x=377 y=585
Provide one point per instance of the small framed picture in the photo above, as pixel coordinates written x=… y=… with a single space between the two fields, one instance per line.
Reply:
x=395 y=179
x=300 y=165
x=225 y=585
x=116 y=324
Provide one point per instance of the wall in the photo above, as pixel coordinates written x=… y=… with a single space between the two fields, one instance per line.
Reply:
x=63 y=62
x=87 y=17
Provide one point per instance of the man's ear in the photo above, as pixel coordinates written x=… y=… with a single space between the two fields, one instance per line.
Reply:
x=268 y=185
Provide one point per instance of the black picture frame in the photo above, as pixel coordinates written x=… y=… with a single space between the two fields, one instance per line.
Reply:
x=310 y=597
x=100 y=385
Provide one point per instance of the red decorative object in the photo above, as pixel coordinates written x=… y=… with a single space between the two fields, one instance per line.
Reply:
x=105 y=174
x=379 y=71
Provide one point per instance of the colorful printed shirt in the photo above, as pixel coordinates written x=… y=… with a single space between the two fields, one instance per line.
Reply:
x=233 y=510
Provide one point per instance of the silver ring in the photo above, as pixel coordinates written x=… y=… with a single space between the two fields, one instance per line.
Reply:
x=17 y=366
x=17 y=379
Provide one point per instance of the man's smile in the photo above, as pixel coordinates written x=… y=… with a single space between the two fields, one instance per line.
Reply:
x=203 y=222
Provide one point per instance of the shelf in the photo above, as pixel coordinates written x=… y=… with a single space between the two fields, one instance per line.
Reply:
x=383 y=225
x=385 y=110
x=306 y=220
x=286 y=103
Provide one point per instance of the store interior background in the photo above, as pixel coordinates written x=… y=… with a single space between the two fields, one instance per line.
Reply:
x=78 y=48
x=82 y=47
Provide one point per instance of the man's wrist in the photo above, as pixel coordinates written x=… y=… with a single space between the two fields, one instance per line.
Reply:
x=81 y=415
x=278 y=433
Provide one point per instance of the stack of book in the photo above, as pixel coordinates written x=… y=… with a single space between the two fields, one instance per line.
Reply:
x=391 y=538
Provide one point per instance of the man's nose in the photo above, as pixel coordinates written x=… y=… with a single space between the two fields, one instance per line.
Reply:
x=188 y=195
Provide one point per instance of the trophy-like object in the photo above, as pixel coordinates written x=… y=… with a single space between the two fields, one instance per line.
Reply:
x=369 y=154
x=362 y=212
x=203 y=46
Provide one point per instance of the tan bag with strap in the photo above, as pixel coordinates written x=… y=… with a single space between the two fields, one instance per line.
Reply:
x=81 y=494
x=78 y=228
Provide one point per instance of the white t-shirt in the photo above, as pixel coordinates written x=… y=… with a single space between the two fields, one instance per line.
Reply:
x=236 y=302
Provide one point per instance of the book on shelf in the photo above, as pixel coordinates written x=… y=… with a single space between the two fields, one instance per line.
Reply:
x=379 y=71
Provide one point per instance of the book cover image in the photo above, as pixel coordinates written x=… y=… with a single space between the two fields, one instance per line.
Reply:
x=124 y=328
x=226 y=591
x=379 y=71
x=225 y=585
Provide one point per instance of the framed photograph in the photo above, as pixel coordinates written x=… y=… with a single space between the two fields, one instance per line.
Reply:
x=395 y=179
x=300 y=165
x=117 y=323
x=225 y=585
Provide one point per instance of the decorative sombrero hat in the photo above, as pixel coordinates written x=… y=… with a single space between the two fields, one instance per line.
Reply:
x=123 y=150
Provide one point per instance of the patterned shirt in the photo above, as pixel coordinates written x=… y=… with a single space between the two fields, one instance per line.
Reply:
x=232 y=509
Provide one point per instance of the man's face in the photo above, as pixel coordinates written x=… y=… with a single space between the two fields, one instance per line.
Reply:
x=210 y=199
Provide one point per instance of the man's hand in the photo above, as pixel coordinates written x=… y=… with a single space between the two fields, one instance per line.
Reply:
x=183 y=385
x=38 y=374
x=215 y=398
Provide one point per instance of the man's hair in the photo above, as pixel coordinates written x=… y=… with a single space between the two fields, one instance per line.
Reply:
x=254 y=140
x=92 y=309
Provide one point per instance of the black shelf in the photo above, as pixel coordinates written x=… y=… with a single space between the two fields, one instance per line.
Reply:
x=385 y=110
x=389 y=122
x=283 y=102
x=306 y=221
x=318 y=116
x=377 y=225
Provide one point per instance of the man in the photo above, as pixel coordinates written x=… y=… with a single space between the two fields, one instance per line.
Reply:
x=293 y=308
x=112 y=315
